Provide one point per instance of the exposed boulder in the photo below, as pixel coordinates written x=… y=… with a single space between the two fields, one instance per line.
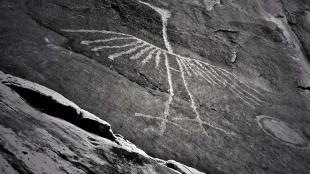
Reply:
x=63 y=138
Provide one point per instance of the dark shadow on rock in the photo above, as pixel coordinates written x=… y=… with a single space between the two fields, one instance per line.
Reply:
x=306 y=88
x=48 y=105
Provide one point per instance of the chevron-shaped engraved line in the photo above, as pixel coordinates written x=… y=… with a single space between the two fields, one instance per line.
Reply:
x=224 y=82
x=173 y=69
x=141 y=52
x=88 y=42
x=210 y=72
x=205 y=74
x=213 y=75
x=188 y=69
x=129 y=51
x=233 y=87
x=200 y=72
x=192 y=68
x=235 y=80
x=185 y=67
x=194 y=107
x=233 y=76
x=149 y=56
x=245 y=93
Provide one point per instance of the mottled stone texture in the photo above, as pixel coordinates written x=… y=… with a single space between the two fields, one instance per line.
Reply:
x=255 y=61
x=34 y=142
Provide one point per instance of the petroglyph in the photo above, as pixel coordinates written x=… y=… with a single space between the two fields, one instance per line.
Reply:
x=282 y=132
x=148 y=53
x=165 y=15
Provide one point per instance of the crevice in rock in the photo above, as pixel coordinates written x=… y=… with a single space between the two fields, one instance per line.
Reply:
x=55 y=105
x=175 y=167
x=227 y=31
x=48 y=105
x=306 y=88
x=292 y=26
x=16 y=163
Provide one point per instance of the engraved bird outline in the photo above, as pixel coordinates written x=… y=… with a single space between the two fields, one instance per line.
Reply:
x=188 y=67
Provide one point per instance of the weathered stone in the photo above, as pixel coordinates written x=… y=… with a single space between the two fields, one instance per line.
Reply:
x=227 y=63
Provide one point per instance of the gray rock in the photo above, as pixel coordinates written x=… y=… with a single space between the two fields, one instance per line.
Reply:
x=206 y=73
x=43 y=132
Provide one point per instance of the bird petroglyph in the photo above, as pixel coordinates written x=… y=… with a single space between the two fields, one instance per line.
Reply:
x=139 y=49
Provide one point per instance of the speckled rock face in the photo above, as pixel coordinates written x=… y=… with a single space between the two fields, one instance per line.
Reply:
x=220 y=85
x=43 y=132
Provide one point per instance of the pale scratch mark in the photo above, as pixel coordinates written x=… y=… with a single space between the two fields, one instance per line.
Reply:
x=230 y=87
x=212 y=73
x=185 y=67
x=132 y=50
x=173 y=69
x=46 y=40
x=161 y=119
x=171 y=94
x=233 y=88
x=157 y=59
x=88 y=42
x=200 y=72
x=238 y=87
x=193 y=67
x=94 y=31
x=147 y=116
x=228 y=132
x=194 y=107
x=220 y=80
x=206 y=73
x=186 y=62
x=141 y=52
x=149 y=56
x=231 y=76
x=206 y=78
x=226 y=73
x=116 y=46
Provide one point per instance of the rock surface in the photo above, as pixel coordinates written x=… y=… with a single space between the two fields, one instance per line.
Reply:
x=219 y=85
x=35 y=138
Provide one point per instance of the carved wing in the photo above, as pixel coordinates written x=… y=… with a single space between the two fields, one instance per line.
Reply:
x=130 y=45
x=139 y=49
x=219 y=77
